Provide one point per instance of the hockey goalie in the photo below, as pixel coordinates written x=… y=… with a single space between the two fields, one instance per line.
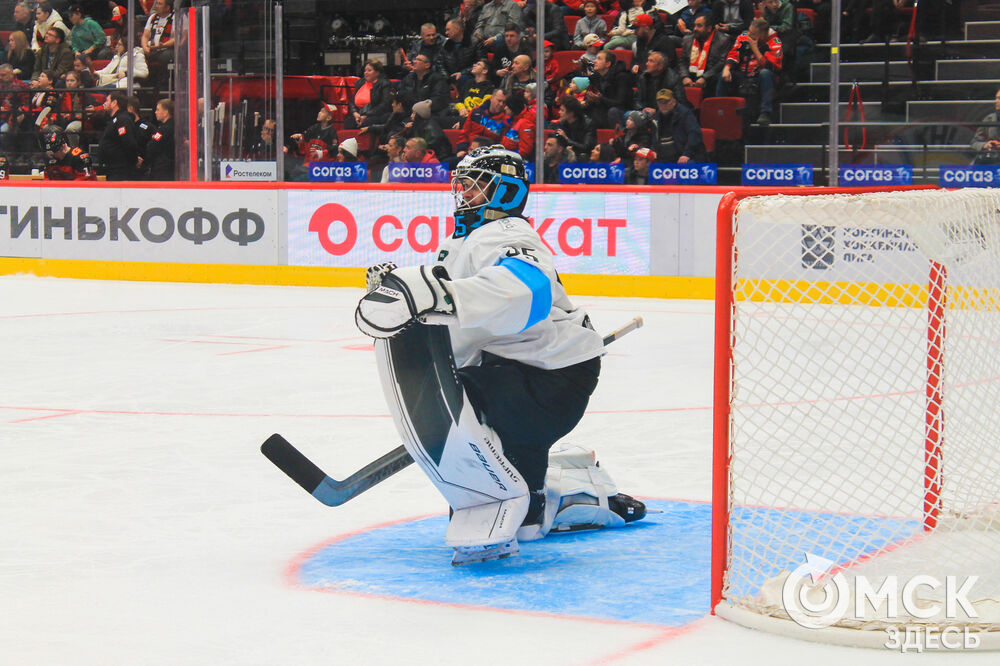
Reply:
x=486 y=364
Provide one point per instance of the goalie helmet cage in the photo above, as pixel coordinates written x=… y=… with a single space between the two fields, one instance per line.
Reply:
x=857 y=413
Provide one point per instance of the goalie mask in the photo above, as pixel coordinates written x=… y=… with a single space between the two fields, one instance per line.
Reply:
x=488 y=184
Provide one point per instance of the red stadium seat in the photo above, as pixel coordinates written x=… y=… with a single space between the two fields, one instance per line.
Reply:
x=606 y=135
x=624 y=56
x=454 y=137
x=725 y=116
x=708 y=137
x=571 y=22
x=564 y=60
x=694 y=95
x=609 y=20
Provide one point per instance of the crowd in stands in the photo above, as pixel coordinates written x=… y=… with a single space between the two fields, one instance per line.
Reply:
x=623 y=80
x=64 y=87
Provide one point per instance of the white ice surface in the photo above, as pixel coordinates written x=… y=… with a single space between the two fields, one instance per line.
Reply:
x=141 y=525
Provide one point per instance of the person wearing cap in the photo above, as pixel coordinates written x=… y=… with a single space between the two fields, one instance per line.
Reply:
x=638 y=172
x=622 y=36
x=678 y=135
x=319 y=141
x=423 y=125
x=703 y=55
x=657 y=77
x=576 y=89
x=585 y=63
x=638 y=134
x=590 y=24
x=348 y=150
x=87 y=36
x=652 y=36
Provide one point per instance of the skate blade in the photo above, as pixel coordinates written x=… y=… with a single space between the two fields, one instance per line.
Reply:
x=476 y=554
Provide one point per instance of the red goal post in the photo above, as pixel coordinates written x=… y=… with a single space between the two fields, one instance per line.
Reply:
x=856 y=395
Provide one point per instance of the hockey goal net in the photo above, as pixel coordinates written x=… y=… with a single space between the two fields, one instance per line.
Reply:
x=857 y=415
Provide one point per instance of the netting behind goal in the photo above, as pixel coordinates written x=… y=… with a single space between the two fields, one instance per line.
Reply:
x=858 y=408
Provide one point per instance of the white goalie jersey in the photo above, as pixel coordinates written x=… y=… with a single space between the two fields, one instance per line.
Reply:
x=509 y=301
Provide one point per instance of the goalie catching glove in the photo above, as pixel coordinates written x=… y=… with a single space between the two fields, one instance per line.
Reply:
x=404 y=296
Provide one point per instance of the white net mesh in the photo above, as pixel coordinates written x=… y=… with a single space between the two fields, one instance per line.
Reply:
x=834 y=383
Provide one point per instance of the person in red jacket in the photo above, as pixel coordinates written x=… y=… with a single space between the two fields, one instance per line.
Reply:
x=416 y=150
x=489 y=119
x=752 y=66
x=521 y=137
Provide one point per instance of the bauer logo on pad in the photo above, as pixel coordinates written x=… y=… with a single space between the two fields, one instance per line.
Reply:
x=777 y=174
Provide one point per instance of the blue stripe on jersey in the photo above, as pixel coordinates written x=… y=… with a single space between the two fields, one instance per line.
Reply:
x=539 y=285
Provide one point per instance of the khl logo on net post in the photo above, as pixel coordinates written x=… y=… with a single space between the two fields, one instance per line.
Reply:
x=820 y=605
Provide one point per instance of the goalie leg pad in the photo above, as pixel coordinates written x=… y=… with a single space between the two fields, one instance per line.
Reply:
x=438 y=426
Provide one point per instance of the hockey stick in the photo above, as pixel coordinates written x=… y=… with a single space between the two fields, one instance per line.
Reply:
x=331 y=492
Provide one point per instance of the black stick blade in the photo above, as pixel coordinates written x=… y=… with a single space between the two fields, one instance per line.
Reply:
x=290 y=461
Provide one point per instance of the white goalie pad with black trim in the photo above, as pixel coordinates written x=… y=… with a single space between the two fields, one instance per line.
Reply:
x=439 y=428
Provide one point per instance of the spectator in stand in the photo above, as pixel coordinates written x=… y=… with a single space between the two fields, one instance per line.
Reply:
x=652 y=36
x=393 y=148
x=64 y=162
x=610 y=92
x=45 y=103
x=424 y=126
x=416 y=150
x=348 y=151
x=603 y=153
x=263 y=148
x=551 y=71
x=703 y=55
x=575 y=128
x=115 y=73
x=521 y=137
x=76 y=105
x=555 y=24
x=369 y=102
x=319 y=142
x=23 y=20
x=638 y=134
x=429 y=44
x=14 y=95
x=158 y=41
x=638 y=173
x=459 y=53
x=590 y=24
x=55 y=55
x=20 y=56
x=556 y=151
x=81 y=65
x=160 y=151
x=117 y=17
x=577 y=89
x=469 y=12
x=732 y=17
x=694 y=9
x=504 y=52
x=593 y=44
x=657 y=77
x=781 y=15
x=423 y=82
x=678 y=135
x=494 y=18
x=821 y=28
x=489 y=119
x=119 y=150
x=394 y=124
x=518 y=76
x=752 y=65
x=87 y=36
x=622 y=36
x=986 y=141
x=475 y=91
x=45 y=18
